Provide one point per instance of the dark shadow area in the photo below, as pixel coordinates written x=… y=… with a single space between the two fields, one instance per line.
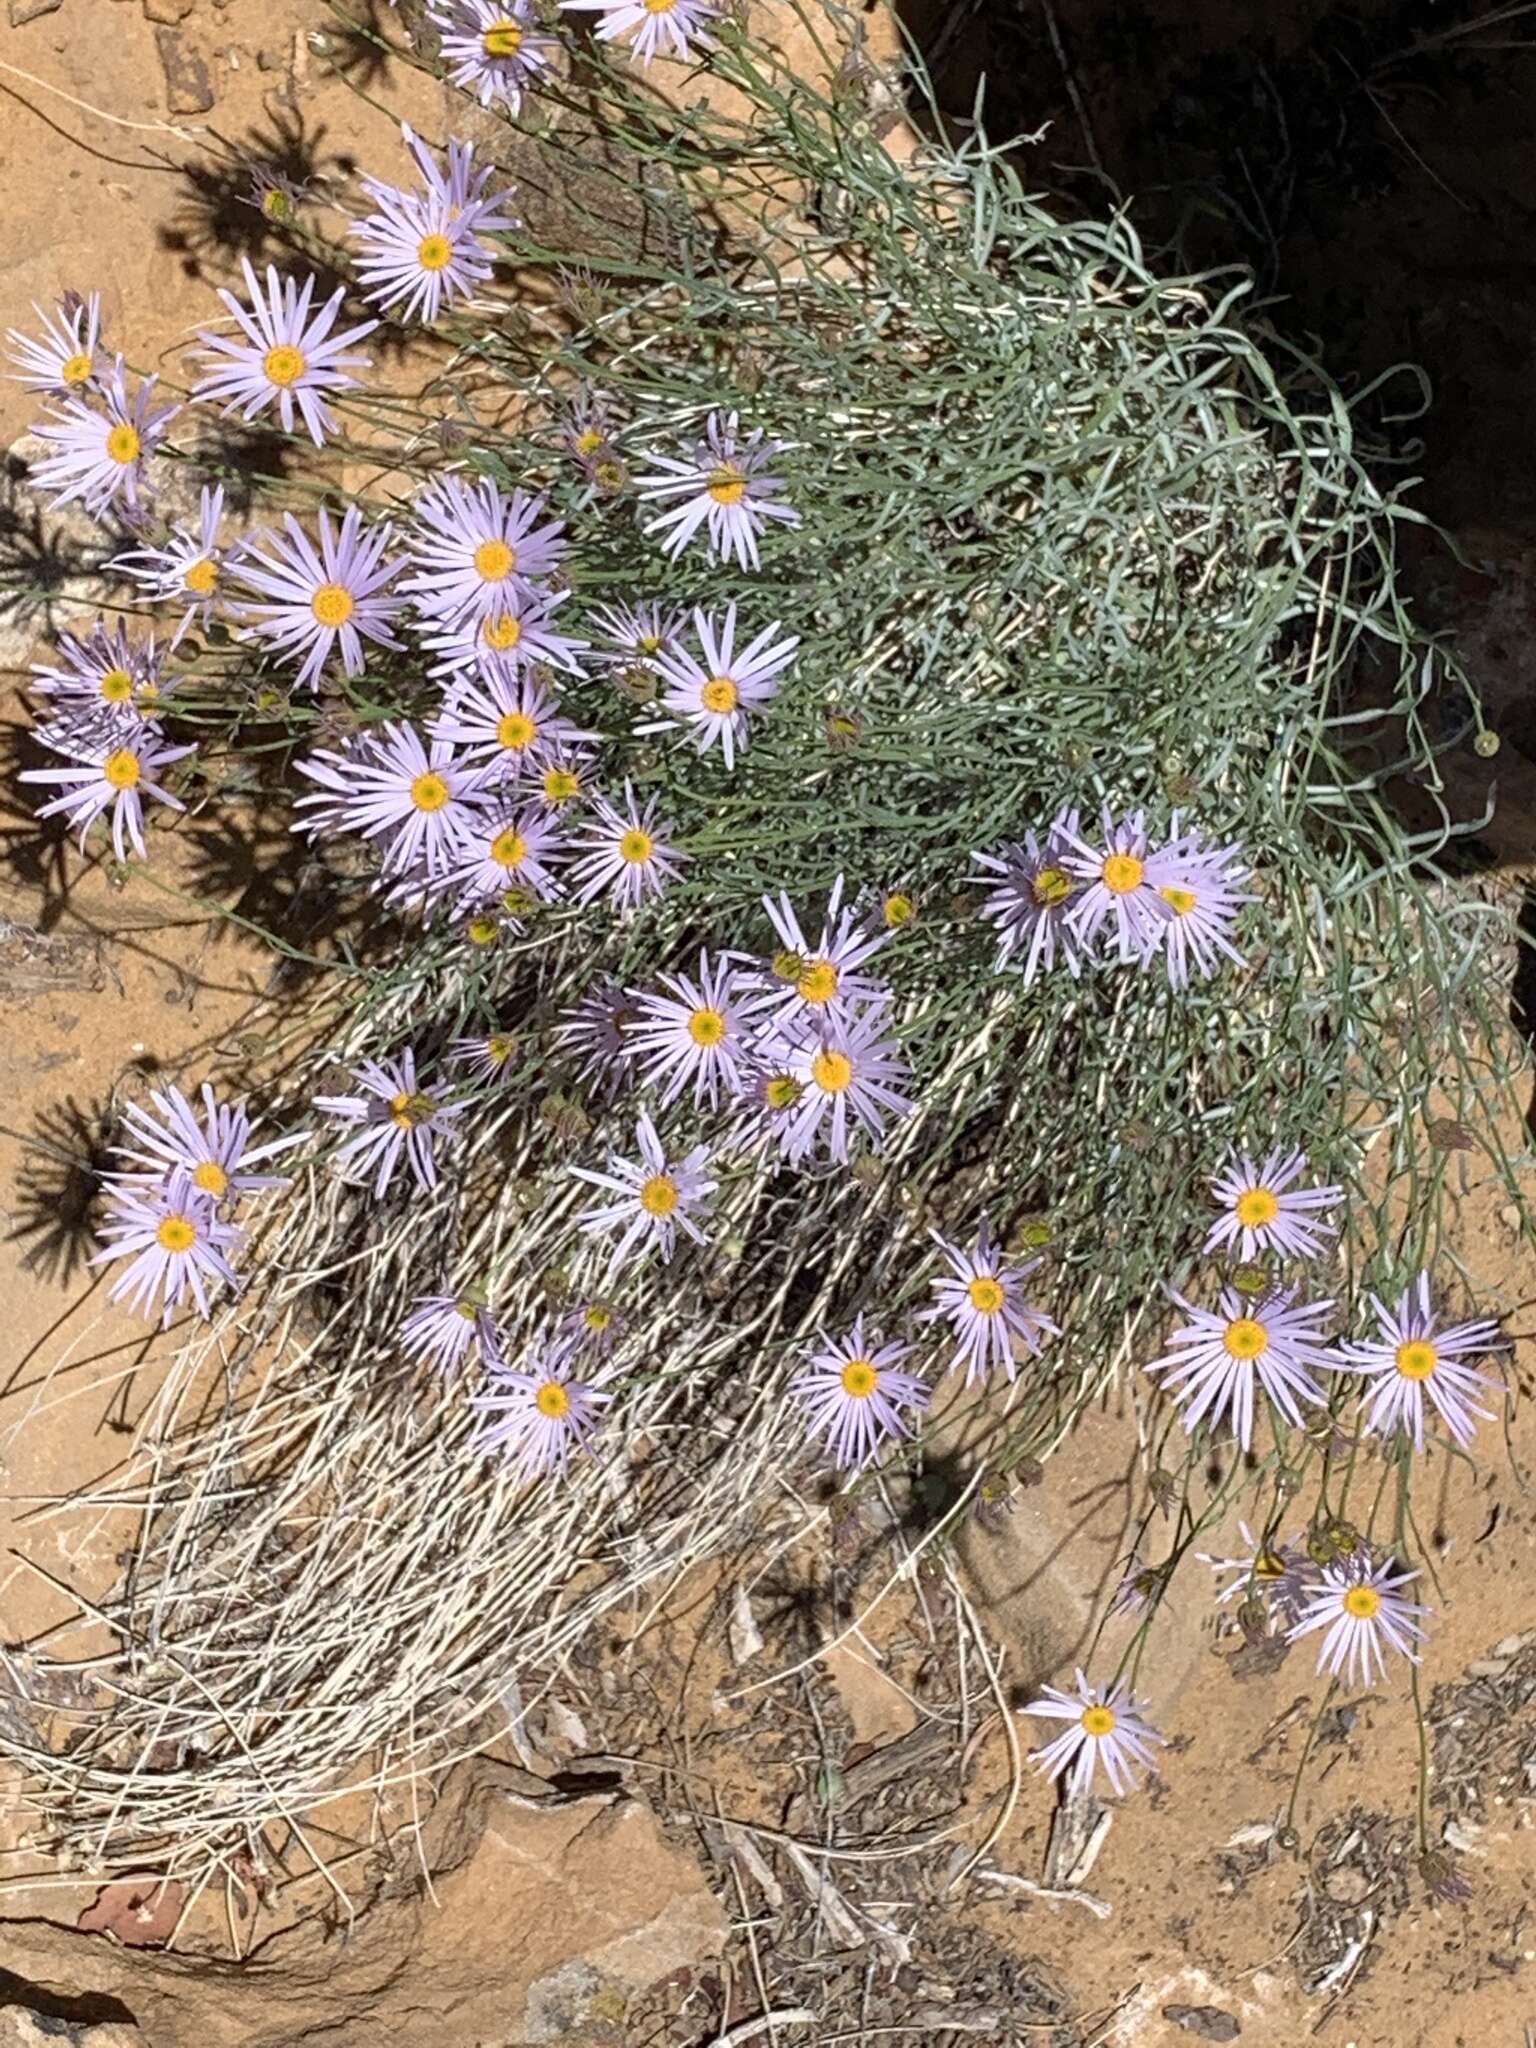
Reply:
x=63 y=1157
x=222 y=216
x=58 y=2012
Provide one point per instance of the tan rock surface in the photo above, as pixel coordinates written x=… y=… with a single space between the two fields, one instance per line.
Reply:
x=543 y=1917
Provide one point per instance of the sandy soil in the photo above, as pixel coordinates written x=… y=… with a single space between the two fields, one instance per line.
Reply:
x=1330 y=1939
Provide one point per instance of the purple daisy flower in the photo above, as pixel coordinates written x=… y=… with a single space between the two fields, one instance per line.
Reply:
x=1218 y=1358
x=441 y=1327
x=396 y=1117
x=505 y=850
x=69 y=355
x=627 y=856
x=1280 y=1574
x=635 y=637
x=478 y=553
x=695 y=1032
x=511 y=719
x=539 y=1416
x=1262 y=1212
x=316 y=602
x=596 y=1033
x=821 y=983
x=102 y=452
x=491 y=1058
x=422 y=250
x=1032 y=895
x=503 y=645
x=421 y=800
x=855 y=1077
x=1108 y=1727
x=673 y=27
x=983 y=1301
x=186 y=569
x=713 y=698
x=112 y=771
x=853 y=1394
x=654 y=1198
x=726 y=489
x=562 y=781
x=176 y=1242
x=1202 y=887
x=1361 y=1605
x=1122 y=881
x=106 y=674
x=1411 y=1356
x=288 y=356
x=493 y=48
x=214 y=1153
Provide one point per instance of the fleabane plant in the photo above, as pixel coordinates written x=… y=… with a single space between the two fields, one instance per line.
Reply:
x=847 y=712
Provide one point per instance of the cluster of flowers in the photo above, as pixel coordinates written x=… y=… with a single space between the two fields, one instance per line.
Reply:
x=1275 y=1343
x=1355 y=1597
x=171 y=1210
x=1067 y=897
x=854 y=1394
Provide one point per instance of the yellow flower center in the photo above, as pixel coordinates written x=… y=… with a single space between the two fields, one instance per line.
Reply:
x=1098 y=1721
x=588 y=441
x=1050 y=887
x=331 y=604
x=117 y=686
x=121 y=769
x=818 y=982
x=610 y=475
x=658 y=1196
x=275 y=203
x=1245 y=1338
x=985 y=1294
x=782 y=1091
x=636 y=846
x=482 y=929
x=648 y=643
x=407 y=1111
x=509 y=849
x=1363 y=1602
x=500 y=634
x=898 y=909
x=176 y=1234
x=284 y=365
x=1269 y=1564
x=552 y=1400
x=719 y=694
x=494 y=560
x=1255 y=1207
x=429 y=792
x=211 y=1178
x=1417 y=1359
x=859 y=1378
x=434 y=252
x=123 y=443
x=201 y=577
x=831 y=1070
x=561 y=784
x=597 y=1316
x=1122 y=872
x=727 y=486
x=466 y=1308
x=515 y=731
x=76 y=369
x=706 y=1027
x=1180 y=901
x=499 y=1048
x=502 y=39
